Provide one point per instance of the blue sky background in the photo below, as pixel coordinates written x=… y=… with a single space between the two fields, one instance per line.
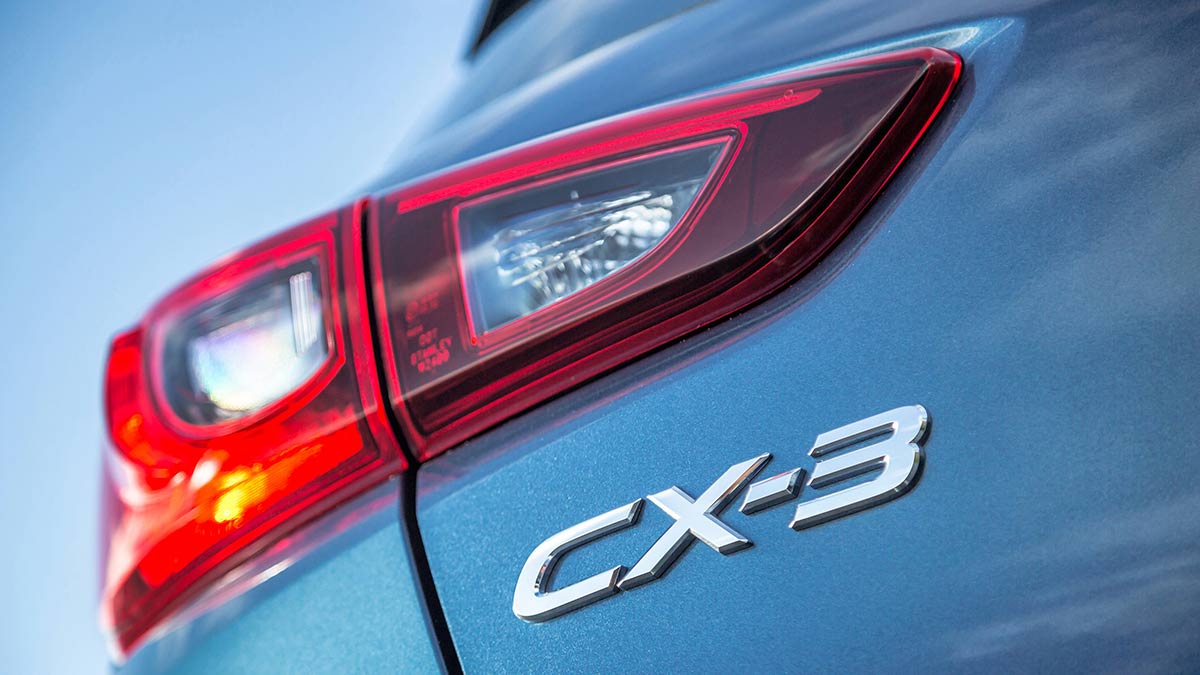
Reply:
x=138 y=142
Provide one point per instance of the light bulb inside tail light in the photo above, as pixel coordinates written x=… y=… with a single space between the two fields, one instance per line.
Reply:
x=504 y=282
x=527 y=249
x=245 y=405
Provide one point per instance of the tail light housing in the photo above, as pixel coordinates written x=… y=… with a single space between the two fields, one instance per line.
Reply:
x=776 y=170
x=249 y=401
x=245 y=404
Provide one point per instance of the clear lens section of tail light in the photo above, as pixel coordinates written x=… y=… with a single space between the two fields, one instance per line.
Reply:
x=245 y=405
x=239 y=353
x=504 y=282
x=525 y=250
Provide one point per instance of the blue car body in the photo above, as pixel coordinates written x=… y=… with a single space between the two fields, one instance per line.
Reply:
x=1030 y=277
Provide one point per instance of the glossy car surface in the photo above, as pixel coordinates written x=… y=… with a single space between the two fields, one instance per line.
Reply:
x=1028 y=277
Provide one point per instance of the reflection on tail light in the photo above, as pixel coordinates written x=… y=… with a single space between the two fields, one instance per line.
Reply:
x=507 y=281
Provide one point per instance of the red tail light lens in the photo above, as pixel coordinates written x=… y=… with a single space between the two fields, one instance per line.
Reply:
x=245 y=404
x=505 y=282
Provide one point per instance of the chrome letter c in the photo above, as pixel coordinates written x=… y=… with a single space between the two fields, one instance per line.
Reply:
x=534 y=602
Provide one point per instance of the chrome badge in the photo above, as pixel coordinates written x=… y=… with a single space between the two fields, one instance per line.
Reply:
x=896 y=455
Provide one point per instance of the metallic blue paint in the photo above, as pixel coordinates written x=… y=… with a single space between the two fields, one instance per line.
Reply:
x=1030 y=278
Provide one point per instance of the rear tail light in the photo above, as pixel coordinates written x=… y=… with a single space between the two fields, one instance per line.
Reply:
x=507 y=281
x=245 y=404
x=248 y=401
